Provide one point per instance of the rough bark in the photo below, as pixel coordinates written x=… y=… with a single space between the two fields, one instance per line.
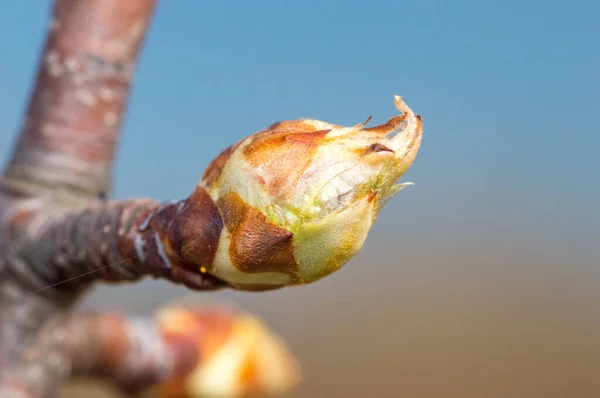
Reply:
x=76 y=110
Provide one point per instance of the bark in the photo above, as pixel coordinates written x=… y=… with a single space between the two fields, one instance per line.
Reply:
x=111 y=241
x=76 y=110
x=131 y=352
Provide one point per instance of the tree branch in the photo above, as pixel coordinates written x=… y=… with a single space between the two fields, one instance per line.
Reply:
x=33 y=362
x=111 y=241
x=130 y=352
x=178 y=350
x=76 y=110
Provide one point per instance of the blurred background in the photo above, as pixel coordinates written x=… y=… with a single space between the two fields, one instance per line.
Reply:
x=482 y=280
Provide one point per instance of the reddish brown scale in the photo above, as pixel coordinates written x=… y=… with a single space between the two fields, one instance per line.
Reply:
x=257 y=245
x=274 y=151
x=179 y=238
x=158 y=259
x=391 y=125
x=377 y=147
x=420 y=123
x=197 y=229
x=213 y=171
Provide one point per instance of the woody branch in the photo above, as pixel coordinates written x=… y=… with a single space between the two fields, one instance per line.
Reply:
x=76 y=110
x=130 y=351
x=115 y=241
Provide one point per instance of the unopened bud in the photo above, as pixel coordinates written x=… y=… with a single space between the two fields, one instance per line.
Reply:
x=293 y=203
x=239 y=356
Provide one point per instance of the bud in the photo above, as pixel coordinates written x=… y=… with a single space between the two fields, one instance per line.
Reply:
x=239 y=356
x=293 y=203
